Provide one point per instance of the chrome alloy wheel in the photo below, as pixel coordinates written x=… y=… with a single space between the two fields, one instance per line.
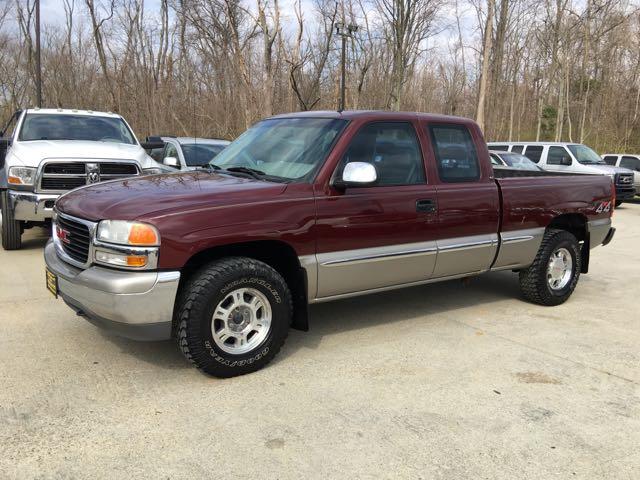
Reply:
x=241 y=321
x=560 y=269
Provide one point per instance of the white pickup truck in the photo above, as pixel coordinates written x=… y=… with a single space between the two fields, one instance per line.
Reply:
x=47 y=152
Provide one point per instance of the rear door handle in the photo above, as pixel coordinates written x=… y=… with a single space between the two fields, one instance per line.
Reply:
x=426 y=205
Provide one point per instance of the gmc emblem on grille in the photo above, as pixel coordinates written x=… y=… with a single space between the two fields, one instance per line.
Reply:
x=93 y=172
x=63 y=235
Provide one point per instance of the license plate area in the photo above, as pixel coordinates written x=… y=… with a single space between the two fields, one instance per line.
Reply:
x=52 y=282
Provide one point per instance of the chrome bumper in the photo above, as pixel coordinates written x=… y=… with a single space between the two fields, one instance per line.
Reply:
x=136 y=305
x=31 y=207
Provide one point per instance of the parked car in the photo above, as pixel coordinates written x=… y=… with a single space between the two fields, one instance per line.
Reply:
x=512 y=160
x=190 y=153
x=47 y=152
x=312 y=207
x=572 y=158
x=632 y=162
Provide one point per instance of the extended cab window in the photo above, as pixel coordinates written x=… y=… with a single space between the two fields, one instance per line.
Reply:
x=455 y=153
x=517 y=148
x=502 y=148
x=610 y=159
x=533 y=153
x=555 y=155
x=391 y=147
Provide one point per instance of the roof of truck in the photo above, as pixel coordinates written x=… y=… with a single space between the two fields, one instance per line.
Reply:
x=372 y=114
x=69 y=111
x=558 y=144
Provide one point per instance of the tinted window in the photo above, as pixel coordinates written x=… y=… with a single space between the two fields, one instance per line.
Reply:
x=533 y=153
x=40 y=126
x=517 y=148
x=519 y=162
x=390 y=147
x=494 y=159
x=610 y=159
x=456 y=155
x=502 y=148
x=199 y=154
x=555 y=155
x=631 y=163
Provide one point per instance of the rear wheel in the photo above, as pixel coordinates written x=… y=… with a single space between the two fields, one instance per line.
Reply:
x=554 y=274
x=233 y=316
x=11 y=228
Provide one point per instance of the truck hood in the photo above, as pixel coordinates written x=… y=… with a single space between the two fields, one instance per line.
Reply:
x=608 y=169
x=32 y=153
x=145 y=198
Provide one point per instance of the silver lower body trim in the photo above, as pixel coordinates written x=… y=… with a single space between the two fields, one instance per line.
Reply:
x=31 y=207
x=518 y=248
x=125 y=298
x=598 y=230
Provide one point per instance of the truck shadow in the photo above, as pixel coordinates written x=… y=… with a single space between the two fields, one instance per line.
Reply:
x=391 y=307
x=357 y=313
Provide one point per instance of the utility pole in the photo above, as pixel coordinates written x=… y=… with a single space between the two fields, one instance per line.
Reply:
x=38 y=66
x=344 y=31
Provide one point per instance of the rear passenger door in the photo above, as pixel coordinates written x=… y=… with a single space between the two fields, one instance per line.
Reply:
x=468 y=201
x=384 y=234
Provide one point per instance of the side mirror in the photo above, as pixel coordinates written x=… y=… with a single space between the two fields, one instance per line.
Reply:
x=357 y=174
x=150 y=145
x=171 y=162
x=566 y=161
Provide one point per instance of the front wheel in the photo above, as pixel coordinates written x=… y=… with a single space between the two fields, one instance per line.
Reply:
x=233 y=316
x=554 y=274
x=11 y=228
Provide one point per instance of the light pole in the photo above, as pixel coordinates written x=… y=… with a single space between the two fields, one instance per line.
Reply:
x=345 y=31
x=38 y=66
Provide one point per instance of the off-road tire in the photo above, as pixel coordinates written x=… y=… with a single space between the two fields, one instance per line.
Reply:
x=11 y=228
x=201 y=294
x=533 y=280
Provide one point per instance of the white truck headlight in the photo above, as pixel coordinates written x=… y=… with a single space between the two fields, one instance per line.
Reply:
x=22 y=175
x=128 y=233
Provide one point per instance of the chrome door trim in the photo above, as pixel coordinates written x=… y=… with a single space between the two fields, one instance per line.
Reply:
x=374 y=256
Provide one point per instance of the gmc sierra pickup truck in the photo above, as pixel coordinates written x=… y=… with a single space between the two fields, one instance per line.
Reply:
x=313 y=207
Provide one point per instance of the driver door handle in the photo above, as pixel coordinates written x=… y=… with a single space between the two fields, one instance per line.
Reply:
x=426 y=205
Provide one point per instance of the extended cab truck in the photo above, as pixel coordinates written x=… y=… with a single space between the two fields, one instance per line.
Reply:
x=307 y=208
x=46 y=152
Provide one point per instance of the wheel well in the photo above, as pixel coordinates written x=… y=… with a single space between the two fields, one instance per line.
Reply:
x=577 y=225
x=278 y=255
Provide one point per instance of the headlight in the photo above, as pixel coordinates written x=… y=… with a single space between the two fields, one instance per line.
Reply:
x=152 y=171
x=128 y=233
x=22 y=175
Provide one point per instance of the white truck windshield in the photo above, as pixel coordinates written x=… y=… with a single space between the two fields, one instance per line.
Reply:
x=41 y=126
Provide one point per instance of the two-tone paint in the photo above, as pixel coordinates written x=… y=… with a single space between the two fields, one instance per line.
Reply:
x=364 y=239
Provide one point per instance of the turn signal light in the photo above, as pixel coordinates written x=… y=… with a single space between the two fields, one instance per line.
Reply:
x=120 y=260
x=141 y=234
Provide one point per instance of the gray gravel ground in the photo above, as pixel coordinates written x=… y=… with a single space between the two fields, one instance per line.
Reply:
x=437 y=382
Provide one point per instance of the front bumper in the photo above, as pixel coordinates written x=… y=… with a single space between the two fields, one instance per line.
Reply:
x=625 y=193
x=136 y=305
x=31 y=207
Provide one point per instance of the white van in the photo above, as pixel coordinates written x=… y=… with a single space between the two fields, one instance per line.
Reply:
x=572 y=158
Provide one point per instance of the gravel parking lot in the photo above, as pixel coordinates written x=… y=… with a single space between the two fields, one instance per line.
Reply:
x=443 y=381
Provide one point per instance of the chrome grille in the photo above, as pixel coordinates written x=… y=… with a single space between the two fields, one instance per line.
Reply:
x=62 y=176
x=74 y=238
x=624 y=179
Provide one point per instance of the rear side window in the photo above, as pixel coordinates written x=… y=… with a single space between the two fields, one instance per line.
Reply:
x=502 y=148
x=555 y=154
x=456 y=154
x=533 y=153
x=610 y=159
x=517 y=148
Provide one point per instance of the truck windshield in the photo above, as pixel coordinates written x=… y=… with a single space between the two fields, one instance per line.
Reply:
x=285 y=148
x=200 y=154
x=42 y=126
x=585 y=155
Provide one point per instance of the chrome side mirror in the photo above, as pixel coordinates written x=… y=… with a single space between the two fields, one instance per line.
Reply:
x=171 y=162
x=357 y=174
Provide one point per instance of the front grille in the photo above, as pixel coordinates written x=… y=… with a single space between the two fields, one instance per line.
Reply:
x=75 y=238
x=118 y=169
x=64 y=176
x=624 y=179
x=62 y=183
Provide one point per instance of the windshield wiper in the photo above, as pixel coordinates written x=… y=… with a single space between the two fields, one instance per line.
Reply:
x=211 y=167
x=257 y=174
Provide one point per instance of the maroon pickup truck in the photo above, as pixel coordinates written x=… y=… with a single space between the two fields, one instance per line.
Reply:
x=312 y=207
